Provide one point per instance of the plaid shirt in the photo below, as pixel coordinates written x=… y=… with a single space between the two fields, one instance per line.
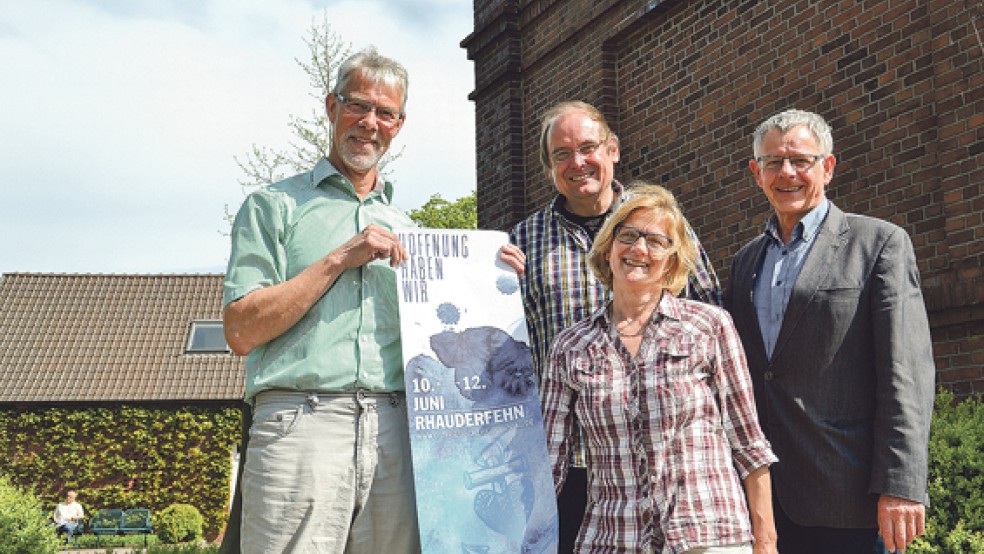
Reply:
x=559 y=289
x=670 y=433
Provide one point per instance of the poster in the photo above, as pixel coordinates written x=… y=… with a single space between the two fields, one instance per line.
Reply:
x=481 y=470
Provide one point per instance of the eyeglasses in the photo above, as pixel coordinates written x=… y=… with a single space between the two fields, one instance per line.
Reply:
x=361 y=108
x=657 y=243
x=586 y=150
x=800 y=162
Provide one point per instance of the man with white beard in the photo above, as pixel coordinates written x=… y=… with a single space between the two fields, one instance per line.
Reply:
x=310 y=296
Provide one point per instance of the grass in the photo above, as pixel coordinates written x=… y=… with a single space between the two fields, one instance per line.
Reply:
x=88 y=540
x=109 y=542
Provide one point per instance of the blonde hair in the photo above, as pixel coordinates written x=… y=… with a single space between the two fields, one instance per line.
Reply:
x=640 y=195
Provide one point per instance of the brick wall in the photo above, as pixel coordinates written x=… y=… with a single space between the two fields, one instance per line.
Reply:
x=685 y=82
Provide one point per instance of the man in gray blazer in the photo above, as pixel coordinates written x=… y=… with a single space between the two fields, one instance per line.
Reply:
x=832 y=319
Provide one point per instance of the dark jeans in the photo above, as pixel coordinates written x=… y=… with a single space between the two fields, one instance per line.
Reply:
x=69 y=529
x=824 y=540
x=571 y=502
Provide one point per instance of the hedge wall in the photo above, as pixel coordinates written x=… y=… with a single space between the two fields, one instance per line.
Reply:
x=123 y=457
x=955 y=517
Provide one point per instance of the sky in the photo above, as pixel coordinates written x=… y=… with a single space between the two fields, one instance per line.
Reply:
x=121 y=120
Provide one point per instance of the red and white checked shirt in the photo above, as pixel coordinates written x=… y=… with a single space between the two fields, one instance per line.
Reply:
x=670 y=434
x=558 y=287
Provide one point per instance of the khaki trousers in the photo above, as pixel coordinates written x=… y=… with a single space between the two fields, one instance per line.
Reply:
x=329 y=474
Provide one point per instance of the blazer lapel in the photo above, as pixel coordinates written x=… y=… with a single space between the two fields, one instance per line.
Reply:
x=745 y=287
x=819 y=264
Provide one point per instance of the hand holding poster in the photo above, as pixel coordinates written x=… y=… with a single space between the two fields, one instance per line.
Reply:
x=481 y=469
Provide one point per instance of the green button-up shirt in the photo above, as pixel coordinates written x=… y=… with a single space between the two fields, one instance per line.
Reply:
x=351 y=337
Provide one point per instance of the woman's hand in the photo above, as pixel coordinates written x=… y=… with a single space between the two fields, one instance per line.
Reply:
x=763 y=547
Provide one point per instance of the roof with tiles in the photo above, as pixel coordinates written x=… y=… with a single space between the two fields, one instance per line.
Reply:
x=105 y=338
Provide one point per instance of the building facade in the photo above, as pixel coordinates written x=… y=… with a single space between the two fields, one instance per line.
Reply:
x=122 y=387
x=684 y=83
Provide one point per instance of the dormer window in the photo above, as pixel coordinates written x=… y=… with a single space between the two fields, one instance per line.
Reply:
x=206 y=337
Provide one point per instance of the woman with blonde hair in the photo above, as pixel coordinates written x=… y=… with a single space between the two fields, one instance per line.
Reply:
x=660 y=387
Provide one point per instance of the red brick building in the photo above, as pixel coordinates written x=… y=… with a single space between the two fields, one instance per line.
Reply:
x=684 y=83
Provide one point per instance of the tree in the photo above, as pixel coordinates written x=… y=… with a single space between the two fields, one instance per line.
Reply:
x=312 y=137
x=438 y=213
x=264 y=165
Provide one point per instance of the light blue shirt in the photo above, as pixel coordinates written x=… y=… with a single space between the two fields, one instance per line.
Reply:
x=780 y=268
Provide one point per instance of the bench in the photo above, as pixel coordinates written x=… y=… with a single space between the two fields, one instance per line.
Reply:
x=117 y=522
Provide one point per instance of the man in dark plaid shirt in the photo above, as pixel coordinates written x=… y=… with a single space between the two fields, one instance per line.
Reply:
x=579 y=151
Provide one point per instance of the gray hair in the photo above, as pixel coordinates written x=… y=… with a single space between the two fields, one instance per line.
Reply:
x=375 y=67
x=784 y=121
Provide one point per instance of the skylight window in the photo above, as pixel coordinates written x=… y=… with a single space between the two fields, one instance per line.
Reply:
x=206 y=336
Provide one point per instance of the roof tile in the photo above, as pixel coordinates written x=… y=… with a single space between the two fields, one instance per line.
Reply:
x=100 y=337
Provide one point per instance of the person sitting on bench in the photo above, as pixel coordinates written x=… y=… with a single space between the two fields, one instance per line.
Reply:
x=68 y=516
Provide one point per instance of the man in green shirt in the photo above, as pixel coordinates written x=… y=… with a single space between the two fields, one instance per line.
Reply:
x=310 y=296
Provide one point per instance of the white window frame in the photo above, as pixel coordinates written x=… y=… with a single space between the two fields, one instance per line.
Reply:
x=199 y=325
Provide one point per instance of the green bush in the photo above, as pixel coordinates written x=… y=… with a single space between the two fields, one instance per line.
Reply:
x=179 y=523
x=955 y=517
x=24 y=524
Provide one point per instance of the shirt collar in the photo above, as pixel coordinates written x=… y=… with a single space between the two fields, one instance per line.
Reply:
x=807 y=228
x=324 y=173
x=617 y=187
x=669 y=307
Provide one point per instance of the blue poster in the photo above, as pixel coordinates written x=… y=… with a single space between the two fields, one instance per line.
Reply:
x=481 y=470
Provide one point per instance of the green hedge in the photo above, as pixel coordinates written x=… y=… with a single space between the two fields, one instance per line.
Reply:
x=955 y=517
x=123 y=457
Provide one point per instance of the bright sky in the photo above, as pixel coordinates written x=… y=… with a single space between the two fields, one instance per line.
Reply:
x=120 y=119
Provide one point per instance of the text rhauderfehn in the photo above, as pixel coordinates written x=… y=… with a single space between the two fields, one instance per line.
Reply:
x=476 y=418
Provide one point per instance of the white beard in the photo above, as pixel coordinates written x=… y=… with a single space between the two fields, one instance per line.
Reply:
x=361 y=162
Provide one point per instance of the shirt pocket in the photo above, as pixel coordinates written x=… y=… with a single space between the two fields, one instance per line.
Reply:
x=839 y=290
x=270 y=425
x=601 y=389
x=683 y=380
x=831 y=314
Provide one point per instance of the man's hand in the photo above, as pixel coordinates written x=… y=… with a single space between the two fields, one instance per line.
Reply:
x=513 y=257
x=372 y=243
x=268 y=312
x=900 y=521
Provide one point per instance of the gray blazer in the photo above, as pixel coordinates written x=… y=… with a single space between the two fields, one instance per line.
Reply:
x=847 y=398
